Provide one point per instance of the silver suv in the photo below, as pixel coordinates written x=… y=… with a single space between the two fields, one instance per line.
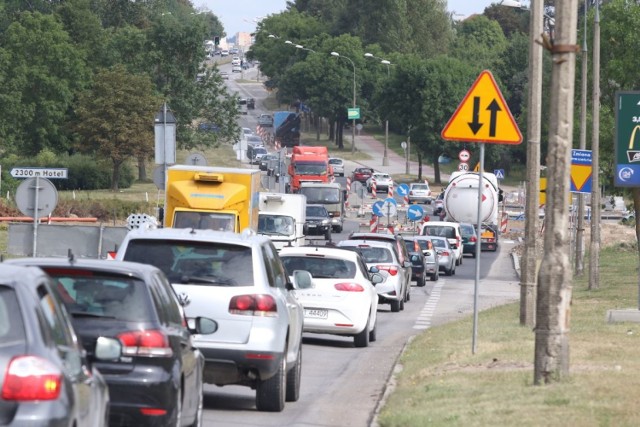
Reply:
x=239 y=281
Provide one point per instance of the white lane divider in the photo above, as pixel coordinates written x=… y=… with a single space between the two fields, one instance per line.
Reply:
x=423 y=321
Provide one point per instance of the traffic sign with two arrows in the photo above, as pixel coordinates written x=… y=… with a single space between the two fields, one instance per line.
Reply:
x=483 y=116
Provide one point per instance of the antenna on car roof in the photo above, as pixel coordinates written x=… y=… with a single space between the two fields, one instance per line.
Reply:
x=70 y=255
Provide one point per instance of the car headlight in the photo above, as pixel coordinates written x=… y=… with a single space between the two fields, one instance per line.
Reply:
x=326 y=221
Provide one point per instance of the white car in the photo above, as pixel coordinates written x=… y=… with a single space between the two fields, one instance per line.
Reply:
x=235 y=61
x=383 y=182
x=240 y=281
x=337 y=165
x=236 y=69
x=450 y=230
x=383 y=256
x=419 y=192
x=342 y=299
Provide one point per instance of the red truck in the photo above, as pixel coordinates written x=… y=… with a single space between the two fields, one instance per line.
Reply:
x=308 y=164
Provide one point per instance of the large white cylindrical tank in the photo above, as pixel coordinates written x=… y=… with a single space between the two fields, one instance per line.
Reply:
x=461 y=199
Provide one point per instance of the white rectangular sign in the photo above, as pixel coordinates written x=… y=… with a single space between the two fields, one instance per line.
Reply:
x=49 y=173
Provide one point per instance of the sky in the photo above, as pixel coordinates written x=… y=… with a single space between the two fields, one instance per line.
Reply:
x=240 y=15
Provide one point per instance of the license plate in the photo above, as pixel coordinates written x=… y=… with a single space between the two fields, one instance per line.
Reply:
x=312 y=225
x=315 y=313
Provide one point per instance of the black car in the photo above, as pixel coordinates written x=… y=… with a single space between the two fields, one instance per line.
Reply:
x=45 y=378
x=157 y=378
x=265 y=160
x=318 y=221
x=418 y=271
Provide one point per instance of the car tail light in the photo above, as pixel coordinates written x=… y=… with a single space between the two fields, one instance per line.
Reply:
x=153 y=412
x=31 y=378
x=445 y=253
x=146 y=343
x=490 y=239
x=349 y=287
x=388 y=268
x=254 y=305
x=473 y=239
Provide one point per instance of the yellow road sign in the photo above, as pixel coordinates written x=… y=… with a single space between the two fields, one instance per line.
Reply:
x=483 y=116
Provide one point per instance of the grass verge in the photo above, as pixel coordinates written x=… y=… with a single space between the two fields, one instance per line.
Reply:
x=442 y=383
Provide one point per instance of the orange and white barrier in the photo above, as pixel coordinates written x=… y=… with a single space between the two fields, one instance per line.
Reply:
x=390 y=191
x=373 y=223
x=373 y=189
x=504 y=222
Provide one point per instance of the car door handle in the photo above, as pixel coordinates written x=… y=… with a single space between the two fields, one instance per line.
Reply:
x=293 y=306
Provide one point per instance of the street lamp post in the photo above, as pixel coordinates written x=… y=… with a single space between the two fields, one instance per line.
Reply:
x=353 y=125
x=385 y=157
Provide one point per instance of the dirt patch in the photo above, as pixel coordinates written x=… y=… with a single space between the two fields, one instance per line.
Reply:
x=611 y=234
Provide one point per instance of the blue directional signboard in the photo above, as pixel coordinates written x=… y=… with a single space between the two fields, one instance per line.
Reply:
x=627 y=139
x=499 y=173
x=581 y=171
x=415 y=213
x=391 y=200
x=377 y=208
x=402 y=190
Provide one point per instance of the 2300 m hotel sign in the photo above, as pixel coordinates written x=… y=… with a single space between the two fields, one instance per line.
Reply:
x=627 y=148
x=49 y=173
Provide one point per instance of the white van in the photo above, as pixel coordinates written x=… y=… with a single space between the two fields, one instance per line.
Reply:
x=450 y=230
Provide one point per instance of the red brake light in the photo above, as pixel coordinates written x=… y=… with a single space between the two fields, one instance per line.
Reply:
x=253 y=305
x=473 y=239
x=445 y=253
x=153 y=412
x=150 y=343
x=390 y=269
x=349 y=287
x=31 y=378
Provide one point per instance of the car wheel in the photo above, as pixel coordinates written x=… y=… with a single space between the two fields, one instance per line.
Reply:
x=448 y=271
x=402 y=304
x=270 y=393
x=395 y=306
x=420 y=282
x=362 y=339
x=198 y=420
x=473 y=255
x=373 y=334
x=453 y=271
x=339 y=229
x=293 y=378
x=408 y=296
x=460 y=260
x=434 y=277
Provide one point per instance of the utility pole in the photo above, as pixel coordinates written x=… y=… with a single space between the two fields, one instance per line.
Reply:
x=579 y=265
x=554 y=280
x=534 y=112
x=594 y=253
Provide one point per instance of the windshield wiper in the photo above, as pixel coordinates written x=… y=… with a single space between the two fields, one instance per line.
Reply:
x=86 y=314
x=209 y=280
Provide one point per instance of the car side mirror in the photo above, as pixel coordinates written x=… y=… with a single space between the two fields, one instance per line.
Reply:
x=108 y=348
x=374 y=269
x=204 y=326
x=415 y=258
x=302 y=279
x=376 y=278
x=407 y=264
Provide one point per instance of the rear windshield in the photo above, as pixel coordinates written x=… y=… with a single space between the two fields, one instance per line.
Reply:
x=439 y=243
x=373 y=254
x=419 y=187
x=196 y=263
x=316 y=211
x=321 y=268
x=11 y=326
x=321 y=194
x=442 y=231
x=86 y=293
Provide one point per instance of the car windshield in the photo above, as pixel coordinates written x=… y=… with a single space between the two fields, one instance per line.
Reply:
x=204 y=220
x=321 y=268
x=316 y=211
x=199 y=263
x=373 y=254
x=335 y=161
x=88 y=293
x=315 y=168
x=276 y=225
x=442 y=231
x=321 y=195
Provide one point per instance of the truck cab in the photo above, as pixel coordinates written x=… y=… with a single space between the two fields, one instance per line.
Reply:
x=329 y=194
x=281 y=218
x=309 y=164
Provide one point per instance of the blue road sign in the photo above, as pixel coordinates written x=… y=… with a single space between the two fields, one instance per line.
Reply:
x=581 y=171
x=391 y=200
x=377 y=208
x=415 y=213
x=499 y=173
x=402 y=190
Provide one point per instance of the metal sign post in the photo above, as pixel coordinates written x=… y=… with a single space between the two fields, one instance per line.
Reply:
x=478 y=247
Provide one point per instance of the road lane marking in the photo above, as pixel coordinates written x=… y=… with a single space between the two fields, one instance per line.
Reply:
x=423 y=321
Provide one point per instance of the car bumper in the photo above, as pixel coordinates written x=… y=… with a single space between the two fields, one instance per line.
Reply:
x=342 y=319
x=419 y=199
x=232 y=366
x=390 y=289
x=143 y=387
x=318 y=229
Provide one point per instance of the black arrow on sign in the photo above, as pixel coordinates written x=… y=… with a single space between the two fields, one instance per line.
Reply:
x=475 y=125
x=494 y=108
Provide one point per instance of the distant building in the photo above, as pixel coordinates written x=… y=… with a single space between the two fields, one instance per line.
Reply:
x=244 y=40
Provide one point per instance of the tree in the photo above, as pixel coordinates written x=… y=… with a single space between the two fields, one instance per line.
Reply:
x=41 y=71
x=115 y=118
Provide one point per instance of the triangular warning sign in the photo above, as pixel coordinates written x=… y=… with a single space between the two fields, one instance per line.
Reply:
x=483 y=116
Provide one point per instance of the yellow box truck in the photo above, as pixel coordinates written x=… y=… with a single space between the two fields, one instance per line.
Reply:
x=216 y=198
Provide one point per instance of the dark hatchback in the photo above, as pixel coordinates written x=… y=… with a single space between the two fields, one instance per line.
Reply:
x=418 y=270
x=318 y=221
x=469 y=239
x=45 y=378
x=157 y=378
